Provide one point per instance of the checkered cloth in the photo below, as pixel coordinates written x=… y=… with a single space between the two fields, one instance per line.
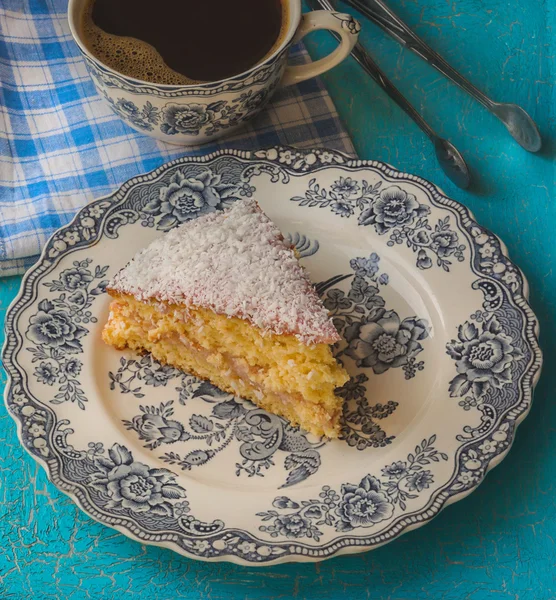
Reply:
x=61 y=145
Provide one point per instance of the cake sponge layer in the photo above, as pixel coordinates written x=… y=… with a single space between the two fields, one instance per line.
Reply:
x=276 y=372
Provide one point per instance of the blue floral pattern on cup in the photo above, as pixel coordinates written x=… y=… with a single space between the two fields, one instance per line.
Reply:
x=186 y=119
x=192 y=118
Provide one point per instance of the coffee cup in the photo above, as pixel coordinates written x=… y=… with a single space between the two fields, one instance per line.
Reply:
x=199 y=113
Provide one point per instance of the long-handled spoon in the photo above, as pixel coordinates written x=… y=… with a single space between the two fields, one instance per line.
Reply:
x=448 y=156
x=516 y=120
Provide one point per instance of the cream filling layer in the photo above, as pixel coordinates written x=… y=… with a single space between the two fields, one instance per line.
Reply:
x=240 y=376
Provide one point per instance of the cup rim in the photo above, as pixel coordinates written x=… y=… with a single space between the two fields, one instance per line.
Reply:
x=294 y=15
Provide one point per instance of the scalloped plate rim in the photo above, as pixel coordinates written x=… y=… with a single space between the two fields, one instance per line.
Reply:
x=351 y=163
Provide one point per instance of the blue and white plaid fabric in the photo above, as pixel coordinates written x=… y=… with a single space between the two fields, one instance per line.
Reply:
x=61 y=146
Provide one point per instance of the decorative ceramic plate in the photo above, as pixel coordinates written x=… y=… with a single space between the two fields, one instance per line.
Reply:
x=437 y=336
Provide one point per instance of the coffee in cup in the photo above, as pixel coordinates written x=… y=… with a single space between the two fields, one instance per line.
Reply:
x=181 y=42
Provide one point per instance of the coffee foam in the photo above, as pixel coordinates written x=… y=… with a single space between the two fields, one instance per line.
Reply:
x=129 y=56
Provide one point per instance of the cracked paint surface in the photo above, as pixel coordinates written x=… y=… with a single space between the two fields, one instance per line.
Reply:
x=497 y=544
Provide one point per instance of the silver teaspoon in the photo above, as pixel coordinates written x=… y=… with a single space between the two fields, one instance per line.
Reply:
x=516 y=120
x=448 y=156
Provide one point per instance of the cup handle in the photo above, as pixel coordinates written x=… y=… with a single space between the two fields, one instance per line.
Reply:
x=341 y=23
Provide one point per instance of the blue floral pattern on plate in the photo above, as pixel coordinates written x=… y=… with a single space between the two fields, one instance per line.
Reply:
x=57 y=328
x=390 y=210
x=168 y=433
x=187 y=198
x=361 y=505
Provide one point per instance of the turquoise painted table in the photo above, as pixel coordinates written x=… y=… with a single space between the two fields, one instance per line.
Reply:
x=498 y=543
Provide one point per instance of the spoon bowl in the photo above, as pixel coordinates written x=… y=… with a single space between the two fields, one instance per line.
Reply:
x=520 y=125
x=452 y=162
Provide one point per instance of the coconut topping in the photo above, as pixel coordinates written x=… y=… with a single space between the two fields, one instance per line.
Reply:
x=234 y=262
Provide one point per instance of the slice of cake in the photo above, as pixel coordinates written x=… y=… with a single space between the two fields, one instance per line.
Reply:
x=224 y=297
